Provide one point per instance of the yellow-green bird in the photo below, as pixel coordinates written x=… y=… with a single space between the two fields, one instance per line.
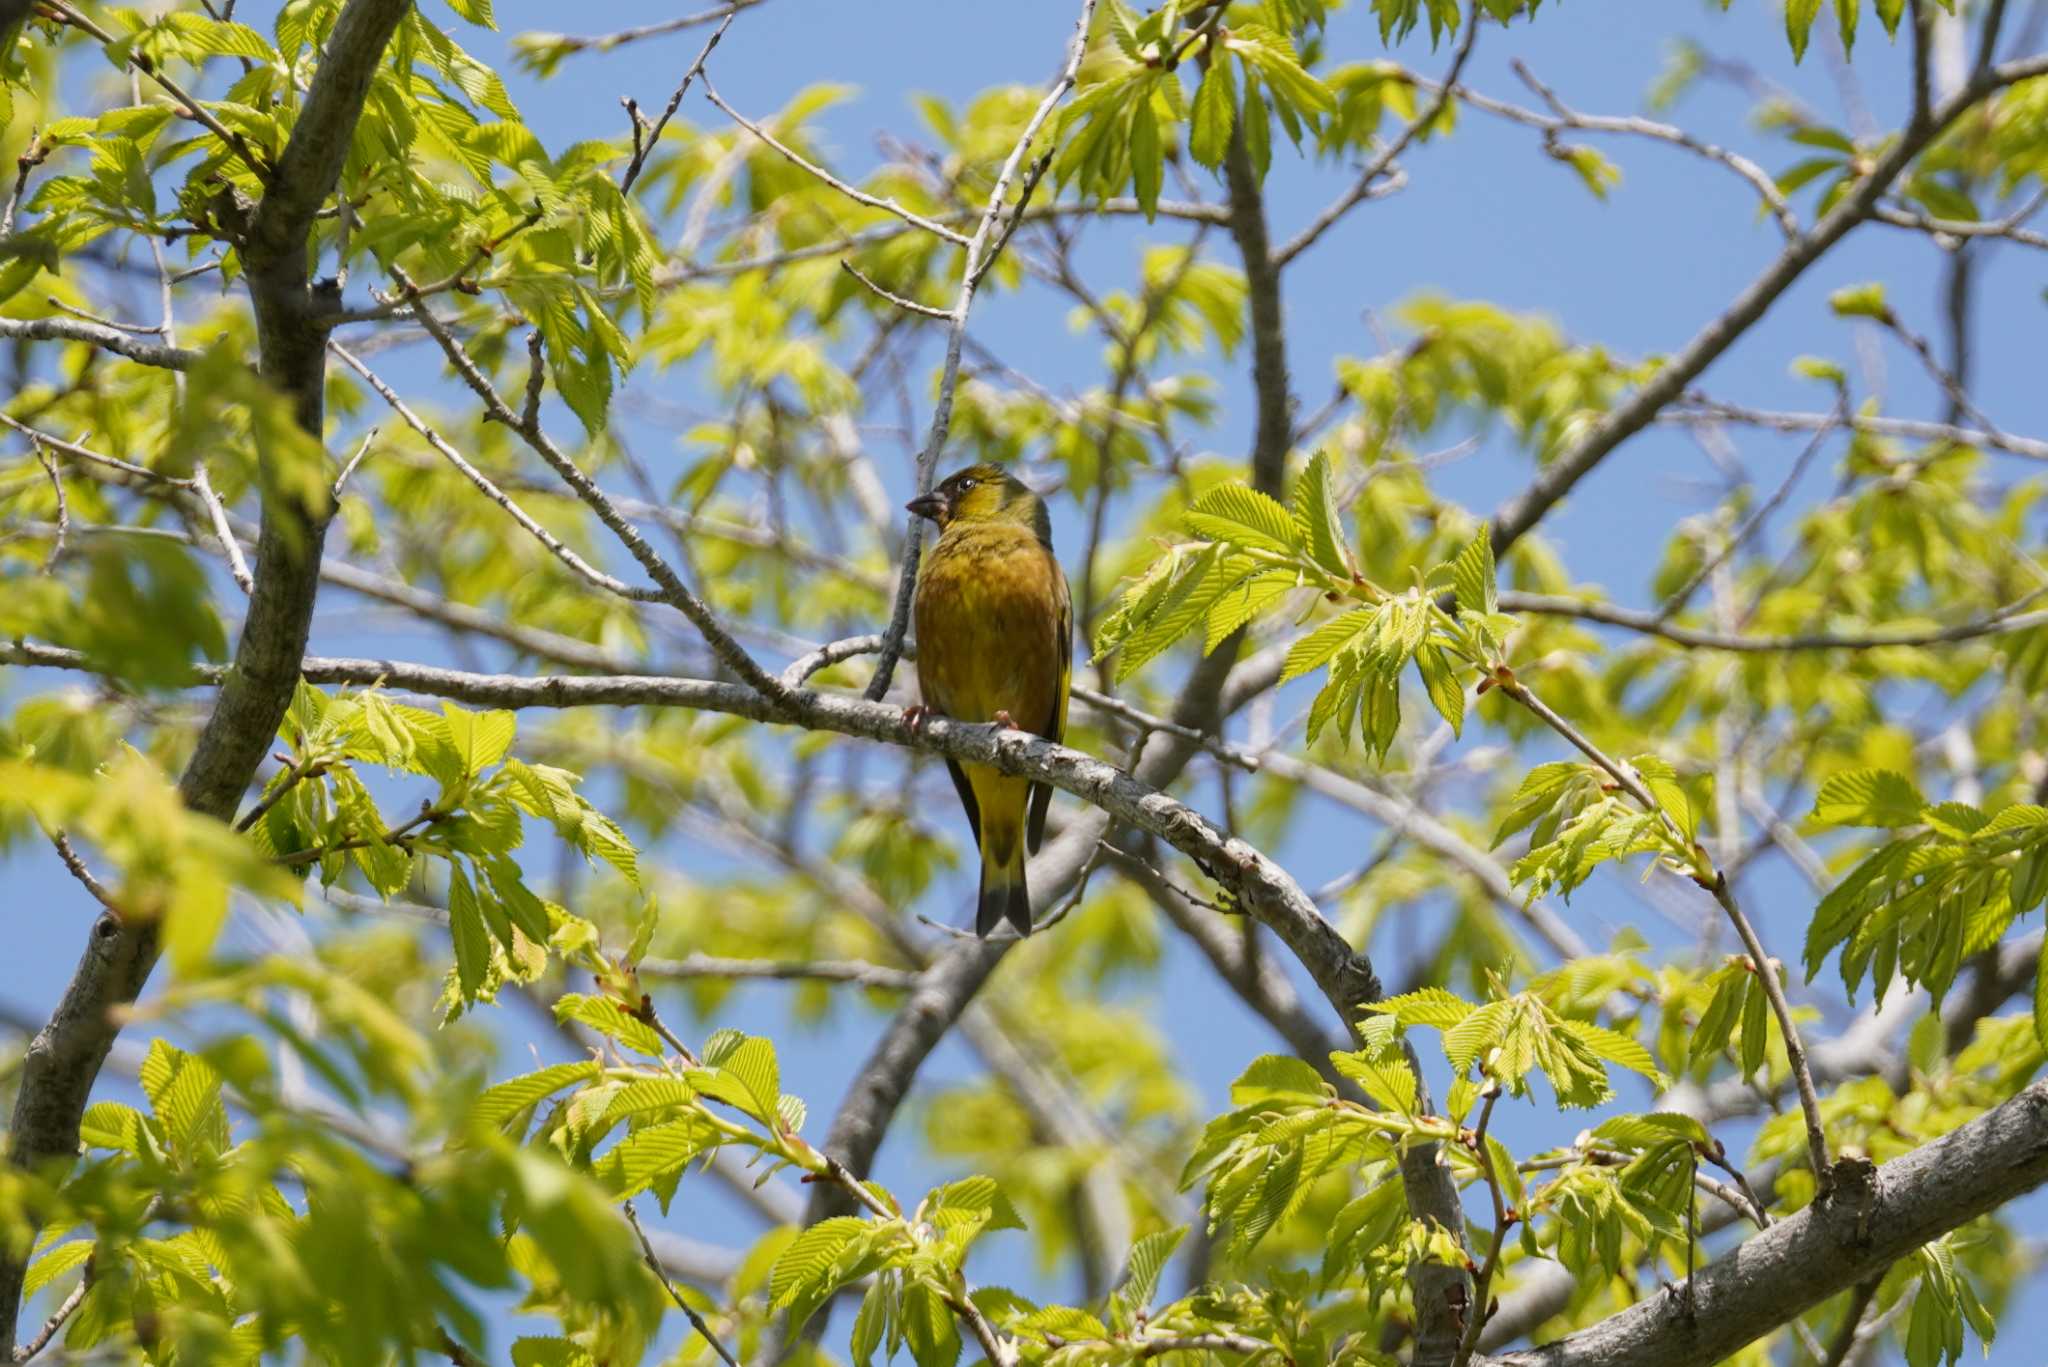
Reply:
x=995 y=630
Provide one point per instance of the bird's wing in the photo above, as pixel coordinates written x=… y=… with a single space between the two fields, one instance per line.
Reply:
x=1056 y=729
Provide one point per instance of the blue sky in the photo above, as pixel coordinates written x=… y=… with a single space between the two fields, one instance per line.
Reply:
x=1486 y=215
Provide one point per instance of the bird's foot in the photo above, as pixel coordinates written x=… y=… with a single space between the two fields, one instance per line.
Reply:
x=916 y=715
x=1002 y=719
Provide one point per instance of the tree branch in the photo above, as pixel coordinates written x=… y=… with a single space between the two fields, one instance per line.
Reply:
x=1524 y=510
x=61 y=1064
x=138 y=349
x=1824 y=1249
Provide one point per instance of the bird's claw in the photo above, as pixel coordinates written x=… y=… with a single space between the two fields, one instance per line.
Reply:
x=1002 y=719
x=916 y=715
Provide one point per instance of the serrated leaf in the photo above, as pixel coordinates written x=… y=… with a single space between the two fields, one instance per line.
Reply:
x=654 y=1154
x=1755 y=1026
x=753 y=1065
x=1215 y=114
x=1387 y=1079
x=1869 y=797
x=1472 y=574
x=610 y=1019
x=54 y=1264
x=480 y=739
x=1277 y=1075
x=497 y=1104
x=1315 y=516
x=1617 y=1048
x=1149 y=1257
x=1431 y=1006
x=1241 y=515
x=1440 y=681
x=1799 y=17
x=2041 y=996
x=809 y=1257
x=1320 y=646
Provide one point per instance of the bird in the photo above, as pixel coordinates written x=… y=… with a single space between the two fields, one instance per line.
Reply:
x=995 y=644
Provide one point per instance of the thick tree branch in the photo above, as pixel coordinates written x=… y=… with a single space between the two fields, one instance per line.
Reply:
x=1823 y=1250
x=61 y=1064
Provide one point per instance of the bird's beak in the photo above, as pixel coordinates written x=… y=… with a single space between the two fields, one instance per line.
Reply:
x=932 y=506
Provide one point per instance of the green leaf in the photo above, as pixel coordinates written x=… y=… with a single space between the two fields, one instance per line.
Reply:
x=1889 y=12
x=651 y=1155
x=1616 y=1047
x=1277 y=1075
x=1799 y=16
x=1845 y=17
x=2041 y=996
x=871 y=1323
x=1148 y=1259
x=1315 y=517
x=1214 y=115
x=1869 y=797
x=1755 y=1025
x=1431 y=1006
x=498 y=1104
x=753 y=1064
x=1148 y=162
x=1472 y=574
x=1320 y=646
x=1860 y=301
x=1387 y=1078
x=809 y=1257
x=1440 y=681
x=1242 y=516
x=477 y=12
x=54 y=1264
x=610 y=1019
x=480 y=738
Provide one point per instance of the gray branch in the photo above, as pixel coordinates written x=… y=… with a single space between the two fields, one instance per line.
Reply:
x=1557 y=479
x=1823 y=1250
x=64 y=1060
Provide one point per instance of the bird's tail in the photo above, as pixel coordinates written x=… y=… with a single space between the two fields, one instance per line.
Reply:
x=1004 y=895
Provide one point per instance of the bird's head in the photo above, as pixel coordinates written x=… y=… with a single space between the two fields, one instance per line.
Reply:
x=984 y=493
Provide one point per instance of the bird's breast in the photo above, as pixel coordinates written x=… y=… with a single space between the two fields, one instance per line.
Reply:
x=987 y=622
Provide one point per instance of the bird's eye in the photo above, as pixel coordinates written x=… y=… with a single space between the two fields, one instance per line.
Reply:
x=967 y=484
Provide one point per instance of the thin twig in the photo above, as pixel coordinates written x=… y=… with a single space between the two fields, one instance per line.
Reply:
x=605 y=42
x=286 y=781
x=60 y=1315
x=1701 y=409
x=790 y=154
x=1475 y=1315
x=1716 y=884
x=63 y=509
x=907 y=305
x=362 y=449
x=576 y=563
x=645 y=145
x=1362 y=188
x=1566 y=117
x=83 y=874
x=237 y=566
x=1751 y=524
x=661 y=1275
x=978 y=257
x=2005 y=620
x=854 y=971
x=672 y=590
